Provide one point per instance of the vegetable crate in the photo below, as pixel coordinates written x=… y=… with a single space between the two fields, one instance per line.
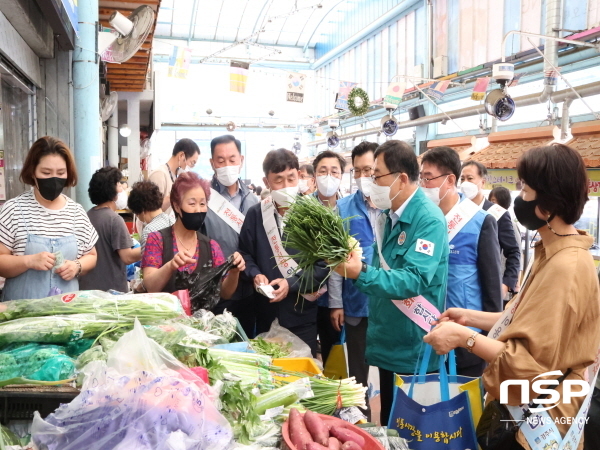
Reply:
x=20 y=402
x=304 y=365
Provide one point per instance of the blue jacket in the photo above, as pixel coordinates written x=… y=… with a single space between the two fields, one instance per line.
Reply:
x=356 y=304
x=474 y=270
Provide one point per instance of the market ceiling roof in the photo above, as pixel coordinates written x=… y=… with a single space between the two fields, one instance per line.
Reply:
x=465 y=146
x=507 y=146
x=234 y=20
x=130 y=75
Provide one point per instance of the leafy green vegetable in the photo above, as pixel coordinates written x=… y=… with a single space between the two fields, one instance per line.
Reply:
x=270 y=348
x=318 y=234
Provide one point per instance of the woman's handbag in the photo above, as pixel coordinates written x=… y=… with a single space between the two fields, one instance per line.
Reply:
x=497 y=429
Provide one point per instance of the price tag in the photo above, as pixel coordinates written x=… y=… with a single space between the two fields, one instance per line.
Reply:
x=351 y=415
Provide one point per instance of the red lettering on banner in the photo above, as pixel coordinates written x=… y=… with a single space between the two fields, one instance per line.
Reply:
x=408 y=302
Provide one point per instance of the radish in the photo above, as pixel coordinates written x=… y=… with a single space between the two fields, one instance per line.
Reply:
x=316 y=428
x=298 y=433
x=344 y=435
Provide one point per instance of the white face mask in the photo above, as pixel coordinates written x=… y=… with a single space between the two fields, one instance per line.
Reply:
x=303 y=185
x=228 y=175
x=328 y=185
x=365 y=185
x=121 y=201
x=434 y=193
x=285 y=196
x=470 y=190
x=380 y=195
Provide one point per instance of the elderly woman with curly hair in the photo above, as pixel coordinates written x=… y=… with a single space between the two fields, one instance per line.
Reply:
x=114 y=242
x=554 y=322
x=181 y=246
x=145 y=200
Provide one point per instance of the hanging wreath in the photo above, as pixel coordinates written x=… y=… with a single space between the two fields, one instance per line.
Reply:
x=360 y=107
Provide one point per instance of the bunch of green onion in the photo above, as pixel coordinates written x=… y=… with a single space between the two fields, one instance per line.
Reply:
x=334 y=394
x=318 y=234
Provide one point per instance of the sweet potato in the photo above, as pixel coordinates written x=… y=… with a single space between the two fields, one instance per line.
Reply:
x=351 y=445
x=344 y=435
x=315 y=446
x=334 y=444
x=298 y=433
x=316 y=427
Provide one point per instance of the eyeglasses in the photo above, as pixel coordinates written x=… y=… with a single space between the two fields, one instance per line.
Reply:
x=427 y=180
x=365 y=172
x=333 y=173
x=375 y=178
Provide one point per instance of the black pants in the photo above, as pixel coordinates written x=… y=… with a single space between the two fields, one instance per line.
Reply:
x=356 y=343
x=386 y=386
x=328 y=336
x=591 y=432
x=308 y=333
x=244 y=310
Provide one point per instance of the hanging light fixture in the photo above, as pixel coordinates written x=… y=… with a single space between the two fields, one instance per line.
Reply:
x=125 y=131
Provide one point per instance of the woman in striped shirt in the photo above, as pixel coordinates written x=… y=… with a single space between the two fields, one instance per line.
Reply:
x=46 y=239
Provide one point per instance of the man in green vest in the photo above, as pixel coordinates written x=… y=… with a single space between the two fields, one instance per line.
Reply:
x=411 y=260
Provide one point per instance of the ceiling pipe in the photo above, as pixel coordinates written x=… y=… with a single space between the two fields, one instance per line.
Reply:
x=429 y=65
x=553 y=8
x=565 y=130
x=527 y=100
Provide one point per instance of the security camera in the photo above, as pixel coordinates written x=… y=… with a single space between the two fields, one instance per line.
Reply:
x=271 y=113
x=389 y=125
x=333 y=139
x=333 y=123
x=209 y=111
x=498 y=102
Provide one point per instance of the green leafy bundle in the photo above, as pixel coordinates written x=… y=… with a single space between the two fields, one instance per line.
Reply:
x=271 y=348
x=318 y=234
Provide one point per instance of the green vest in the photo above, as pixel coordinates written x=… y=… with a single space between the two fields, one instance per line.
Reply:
x=416 y=250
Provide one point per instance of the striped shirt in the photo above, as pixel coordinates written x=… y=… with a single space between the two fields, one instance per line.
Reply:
x=24 y=214
x=158 y=223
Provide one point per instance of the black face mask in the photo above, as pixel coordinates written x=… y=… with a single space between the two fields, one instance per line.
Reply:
x=50 y=188
x=192 y=221
x=525 y=212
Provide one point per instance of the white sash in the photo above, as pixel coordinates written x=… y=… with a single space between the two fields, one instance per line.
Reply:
x=418 y=309
x=226 y=211
x=540 y=430
x=459 y=216
x=497 y=211
x=286 y=264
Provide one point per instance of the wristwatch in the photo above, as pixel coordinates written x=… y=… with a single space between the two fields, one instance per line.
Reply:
x=471 y=342
x=363 y=268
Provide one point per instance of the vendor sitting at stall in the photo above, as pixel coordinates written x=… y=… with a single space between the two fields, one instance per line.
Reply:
x=181 y=246
x=46 y=239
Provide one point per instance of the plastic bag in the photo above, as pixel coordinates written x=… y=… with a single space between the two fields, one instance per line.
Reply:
x=279 y=334
x=204 y=287
x=137 y=400
x=36 y=362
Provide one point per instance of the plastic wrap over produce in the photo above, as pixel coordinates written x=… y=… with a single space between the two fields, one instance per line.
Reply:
x=141 y=398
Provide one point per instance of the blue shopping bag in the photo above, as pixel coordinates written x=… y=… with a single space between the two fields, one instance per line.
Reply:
x=430 y=411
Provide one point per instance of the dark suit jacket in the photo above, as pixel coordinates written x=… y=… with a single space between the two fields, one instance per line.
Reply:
x=254 y=246
x=489 y=266
x=509 y=246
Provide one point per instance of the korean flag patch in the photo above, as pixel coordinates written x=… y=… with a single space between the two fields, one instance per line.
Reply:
x=424 y=246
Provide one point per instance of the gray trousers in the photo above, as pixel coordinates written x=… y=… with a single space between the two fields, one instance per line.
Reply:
x=356 y=344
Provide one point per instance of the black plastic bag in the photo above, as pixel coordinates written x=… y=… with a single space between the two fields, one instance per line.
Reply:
x=204 y=287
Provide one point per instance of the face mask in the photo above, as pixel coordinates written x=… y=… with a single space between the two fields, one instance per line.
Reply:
x=470 y=190
x=434 y=193
x=380 y=195
x=303 y=185
x=285 y=196
x=192 y=221
x=328 y=185
x=365 y=185
x=525 y=212
x=228 y=175
x=50 y=188
x=121 y=201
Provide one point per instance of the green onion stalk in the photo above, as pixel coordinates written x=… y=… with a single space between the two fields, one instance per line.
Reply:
x=318 y=233
x=333 y=394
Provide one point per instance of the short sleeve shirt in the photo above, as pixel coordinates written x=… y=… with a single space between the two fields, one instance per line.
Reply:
x=110 y=271
x=24 y=214
x=163 y=178
x=154 y=249
x=158 y=223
